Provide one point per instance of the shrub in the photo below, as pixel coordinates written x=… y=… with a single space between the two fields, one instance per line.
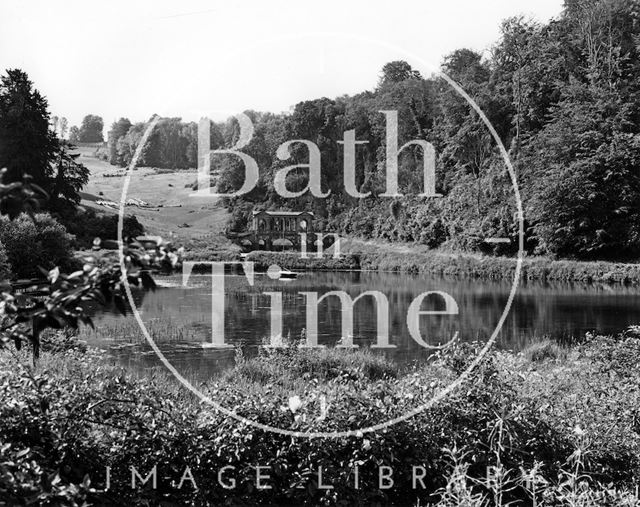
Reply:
x=380 y=256
x=5 y=265
x=286 y=366
x=90 y=225
x=545 y=349
x=61 y=340
x=241 y=216
x=507 y=428
x=293 y=260
x=33 y=243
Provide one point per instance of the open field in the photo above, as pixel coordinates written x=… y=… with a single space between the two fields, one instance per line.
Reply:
x=171 y=211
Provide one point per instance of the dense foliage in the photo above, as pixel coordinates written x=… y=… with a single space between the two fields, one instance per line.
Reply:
x=34 y=243
x=32 y=146
x=29 y=146
x=172 y=145
x=91 y=129
x=393 y=258
x=542 y=431
x=5 y=266
x=87 y=225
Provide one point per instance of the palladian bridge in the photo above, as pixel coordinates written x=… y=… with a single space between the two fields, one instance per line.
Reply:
x=275 y=230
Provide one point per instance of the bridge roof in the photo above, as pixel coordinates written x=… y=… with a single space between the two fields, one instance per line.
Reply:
x=283 y=213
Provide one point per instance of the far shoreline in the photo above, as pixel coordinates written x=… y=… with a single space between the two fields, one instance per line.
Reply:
x=374 y=256
x=358 y=255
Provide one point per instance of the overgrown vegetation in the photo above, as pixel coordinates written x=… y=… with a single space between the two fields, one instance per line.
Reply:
x=543 y=432
x=563 y=98
x=34 y=243
x=291 y=260
x=29 y=146
x=32 y=145
x=87 y=225
x=406 y=258
x=544 y=350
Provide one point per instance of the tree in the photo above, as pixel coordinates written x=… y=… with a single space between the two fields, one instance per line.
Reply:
x=585 y=198
x=27 y=144
x=68 y=179
x=118 y=129
x=91 y=129
x=397 y=71
x=63 y=126
x=29 y=147
x=74 y=135
x=173 y=144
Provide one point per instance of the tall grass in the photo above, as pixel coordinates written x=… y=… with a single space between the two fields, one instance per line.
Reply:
x=287 y=366
x=118 y=331
x=294 y=260
x=544 y=350
x=396 y=258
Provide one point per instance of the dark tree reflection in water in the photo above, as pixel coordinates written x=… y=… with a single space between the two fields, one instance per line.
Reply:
x=179 y=318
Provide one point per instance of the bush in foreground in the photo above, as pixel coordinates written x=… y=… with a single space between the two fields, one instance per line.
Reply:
x=560 y=433
x=543 y=350
x=31 y=244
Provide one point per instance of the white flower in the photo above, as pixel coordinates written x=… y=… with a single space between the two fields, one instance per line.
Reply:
x=54 y=274
x=294 y=403
x=578 y=431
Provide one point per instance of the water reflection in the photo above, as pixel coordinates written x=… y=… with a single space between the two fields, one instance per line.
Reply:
x=179 y=318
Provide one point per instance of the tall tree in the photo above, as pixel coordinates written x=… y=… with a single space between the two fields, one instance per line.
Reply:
x=27 y=144
x=74 y=135
x=29 y=147
x=118 y=129
x=91 y=129
x=68 y=178
x=397 y=71
x=63 y=127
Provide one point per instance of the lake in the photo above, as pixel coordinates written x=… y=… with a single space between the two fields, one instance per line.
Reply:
x=179 y=318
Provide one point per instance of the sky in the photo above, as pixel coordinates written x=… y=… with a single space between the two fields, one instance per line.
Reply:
x=196 y=58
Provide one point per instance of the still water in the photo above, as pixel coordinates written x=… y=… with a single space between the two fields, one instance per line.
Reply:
x=179 y=318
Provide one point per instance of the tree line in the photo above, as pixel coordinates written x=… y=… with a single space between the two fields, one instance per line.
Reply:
x=564 y=98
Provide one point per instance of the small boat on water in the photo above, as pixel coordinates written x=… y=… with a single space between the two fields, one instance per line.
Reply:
x=285 y=274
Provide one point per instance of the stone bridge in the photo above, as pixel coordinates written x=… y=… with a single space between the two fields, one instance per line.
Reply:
x=277 y=230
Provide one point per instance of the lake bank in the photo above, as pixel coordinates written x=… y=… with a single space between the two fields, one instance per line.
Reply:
x=536 y=415
x=376 y=256
x=359 y=255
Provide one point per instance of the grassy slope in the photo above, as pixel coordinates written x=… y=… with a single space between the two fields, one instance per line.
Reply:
x=204 y=216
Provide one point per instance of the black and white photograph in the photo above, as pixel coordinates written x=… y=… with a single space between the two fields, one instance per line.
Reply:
x=339 y=253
